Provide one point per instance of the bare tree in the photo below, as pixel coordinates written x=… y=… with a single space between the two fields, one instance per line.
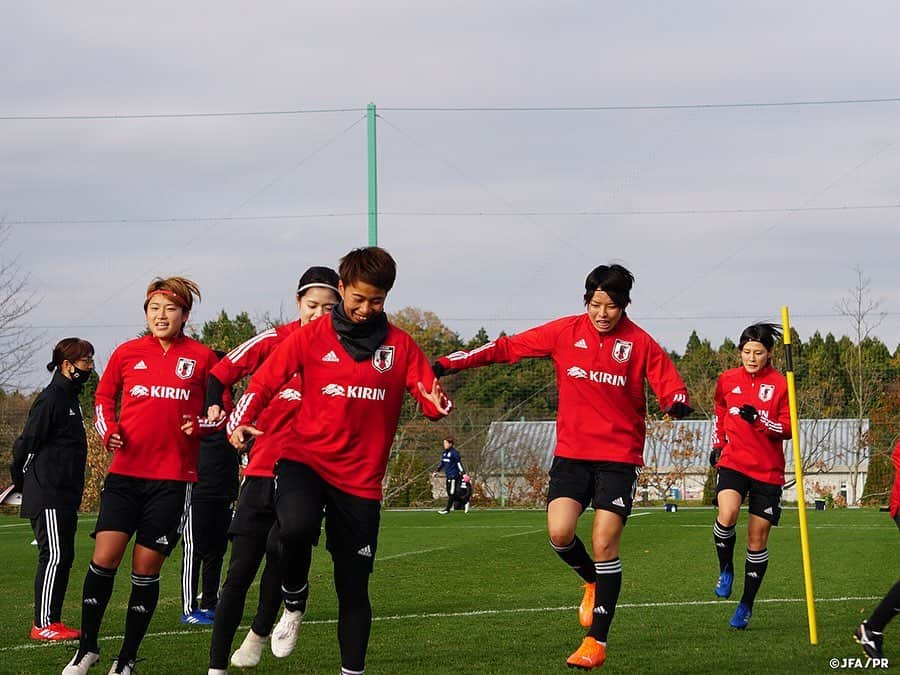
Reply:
x=862 y=311
x=18 y=342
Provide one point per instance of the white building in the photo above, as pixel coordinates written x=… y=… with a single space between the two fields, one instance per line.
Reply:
x=835 y=453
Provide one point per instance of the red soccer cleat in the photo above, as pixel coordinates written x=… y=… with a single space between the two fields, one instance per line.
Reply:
x=50 y=633
x=591 y=654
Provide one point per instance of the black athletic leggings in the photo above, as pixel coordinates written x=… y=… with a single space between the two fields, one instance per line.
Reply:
x=246 y=554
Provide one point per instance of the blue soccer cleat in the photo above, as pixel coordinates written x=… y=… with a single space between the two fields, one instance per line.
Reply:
x=741 y=616
x=723 y=585
x=197 y=618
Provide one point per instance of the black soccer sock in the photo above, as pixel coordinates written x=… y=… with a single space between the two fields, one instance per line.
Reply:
x=609 y=583
x=141 y=605
x=98 y=587
x=755 y=570
x=295 y=601
x=576 y=557
x=887 y=609
x=724 y=540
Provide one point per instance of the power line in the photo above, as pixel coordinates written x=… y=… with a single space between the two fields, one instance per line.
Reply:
x=460 y=214
x=451 y=109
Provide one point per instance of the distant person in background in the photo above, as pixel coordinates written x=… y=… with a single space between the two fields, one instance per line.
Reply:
x=48 y=468
x=452 y=466
x=870 y=633
x=752 y=421
x=205 y=536
x=254 y=530
x=160 y=381
x=602 y=360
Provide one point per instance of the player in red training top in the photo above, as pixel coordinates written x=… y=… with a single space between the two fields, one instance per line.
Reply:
x=355 y=367
x=254 y=530
x=161 y=380
x=870 y=633
x=753 y=420
x=601 y=360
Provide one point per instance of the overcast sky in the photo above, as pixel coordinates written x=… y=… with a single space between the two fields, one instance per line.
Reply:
x=724 y=214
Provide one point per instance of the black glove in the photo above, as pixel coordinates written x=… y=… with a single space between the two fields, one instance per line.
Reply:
x=748 y=413
x=679 y=410
x=714 y=456
x=438 y=369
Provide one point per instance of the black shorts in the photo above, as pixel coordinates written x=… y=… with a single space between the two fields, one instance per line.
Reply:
x=154 y=509
x=351 y=522
x=255 y=513
x=765 y=498
x=607 y=486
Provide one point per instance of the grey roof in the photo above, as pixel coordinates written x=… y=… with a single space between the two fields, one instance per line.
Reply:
x=515 y=445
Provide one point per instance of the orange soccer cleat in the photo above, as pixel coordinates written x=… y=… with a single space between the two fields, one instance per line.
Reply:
x=591 y=654
x=586 y=608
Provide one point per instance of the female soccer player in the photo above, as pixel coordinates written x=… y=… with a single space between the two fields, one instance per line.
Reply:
x=602 y=359
x=870 y=633
x=254 y=531
x=161 y=378
x=355 y=366
x=48 y=462
x=752 y=421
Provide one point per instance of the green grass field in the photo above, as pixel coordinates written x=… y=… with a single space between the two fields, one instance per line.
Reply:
x=483 y=593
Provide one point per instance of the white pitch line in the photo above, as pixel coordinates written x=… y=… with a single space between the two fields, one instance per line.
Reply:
x=638 y=515
x=451 y=615
x=403 y=555
x=522 y=534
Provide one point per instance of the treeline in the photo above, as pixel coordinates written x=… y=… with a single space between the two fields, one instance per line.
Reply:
x=836 y=377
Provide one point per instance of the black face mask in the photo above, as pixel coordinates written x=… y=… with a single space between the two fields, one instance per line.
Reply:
x=79 y=376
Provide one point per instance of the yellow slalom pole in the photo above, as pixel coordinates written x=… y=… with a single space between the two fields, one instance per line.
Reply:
x=798 y=469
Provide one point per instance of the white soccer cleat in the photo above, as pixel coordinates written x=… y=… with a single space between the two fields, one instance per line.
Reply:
x=284 y=636
x=80 y=666
x=250 y=652
x=123 y=669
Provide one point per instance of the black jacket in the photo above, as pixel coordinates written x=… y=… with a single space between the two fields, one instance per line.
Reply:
x=217 y=470
x=49 y=456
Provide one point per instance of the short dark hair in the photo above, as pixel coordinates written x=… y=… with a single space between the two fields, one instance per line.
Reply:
x=449 y=439
x=69 y=349
x=371 y=265
x=764 y=333
x=614 y=280
x=317 y=277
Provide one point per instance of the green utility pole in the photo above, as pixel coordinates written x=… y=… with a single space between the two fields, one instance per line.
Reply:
x=373 y=178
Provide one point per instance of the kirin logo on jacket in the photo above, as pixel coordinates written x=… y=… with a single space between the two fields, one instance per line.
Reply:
x=185 y=367
x=383 y=358
x=333 y=390
x=622 y=350
x=291 y=395
x=766 y=391
x=139 y=391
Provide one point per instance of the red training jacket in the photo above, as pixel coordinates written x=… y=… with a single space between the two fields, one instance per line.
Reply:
x=350 y=410
x=755 y=450
x=244 y=360
x=158 y=388
x=895 y=493
x=600 y=378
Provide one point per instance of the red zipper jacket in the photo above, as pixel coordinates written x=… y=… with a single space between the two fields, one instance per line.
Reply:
x=755 y=450
x=351 y=409
x=244 y=360
x=600 y=378
x=158 y=388
x=895 y=493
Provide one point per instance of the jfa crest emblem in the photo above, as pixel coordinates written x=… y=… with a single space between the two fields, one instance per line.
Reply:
x=185 y=368
x=622 y=350
x=766 y=391
x=383 y=358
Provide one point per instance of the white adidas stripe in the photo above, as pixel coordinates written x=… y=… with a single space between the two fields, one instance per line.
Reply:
x=241 y=350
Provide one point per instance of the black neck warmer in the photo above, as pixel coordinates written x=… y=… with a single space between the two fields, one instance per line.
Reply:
x=359 y=339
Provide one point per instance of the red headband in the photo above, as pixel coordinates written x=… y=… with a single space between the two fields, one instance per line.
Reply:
x=171 y=294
